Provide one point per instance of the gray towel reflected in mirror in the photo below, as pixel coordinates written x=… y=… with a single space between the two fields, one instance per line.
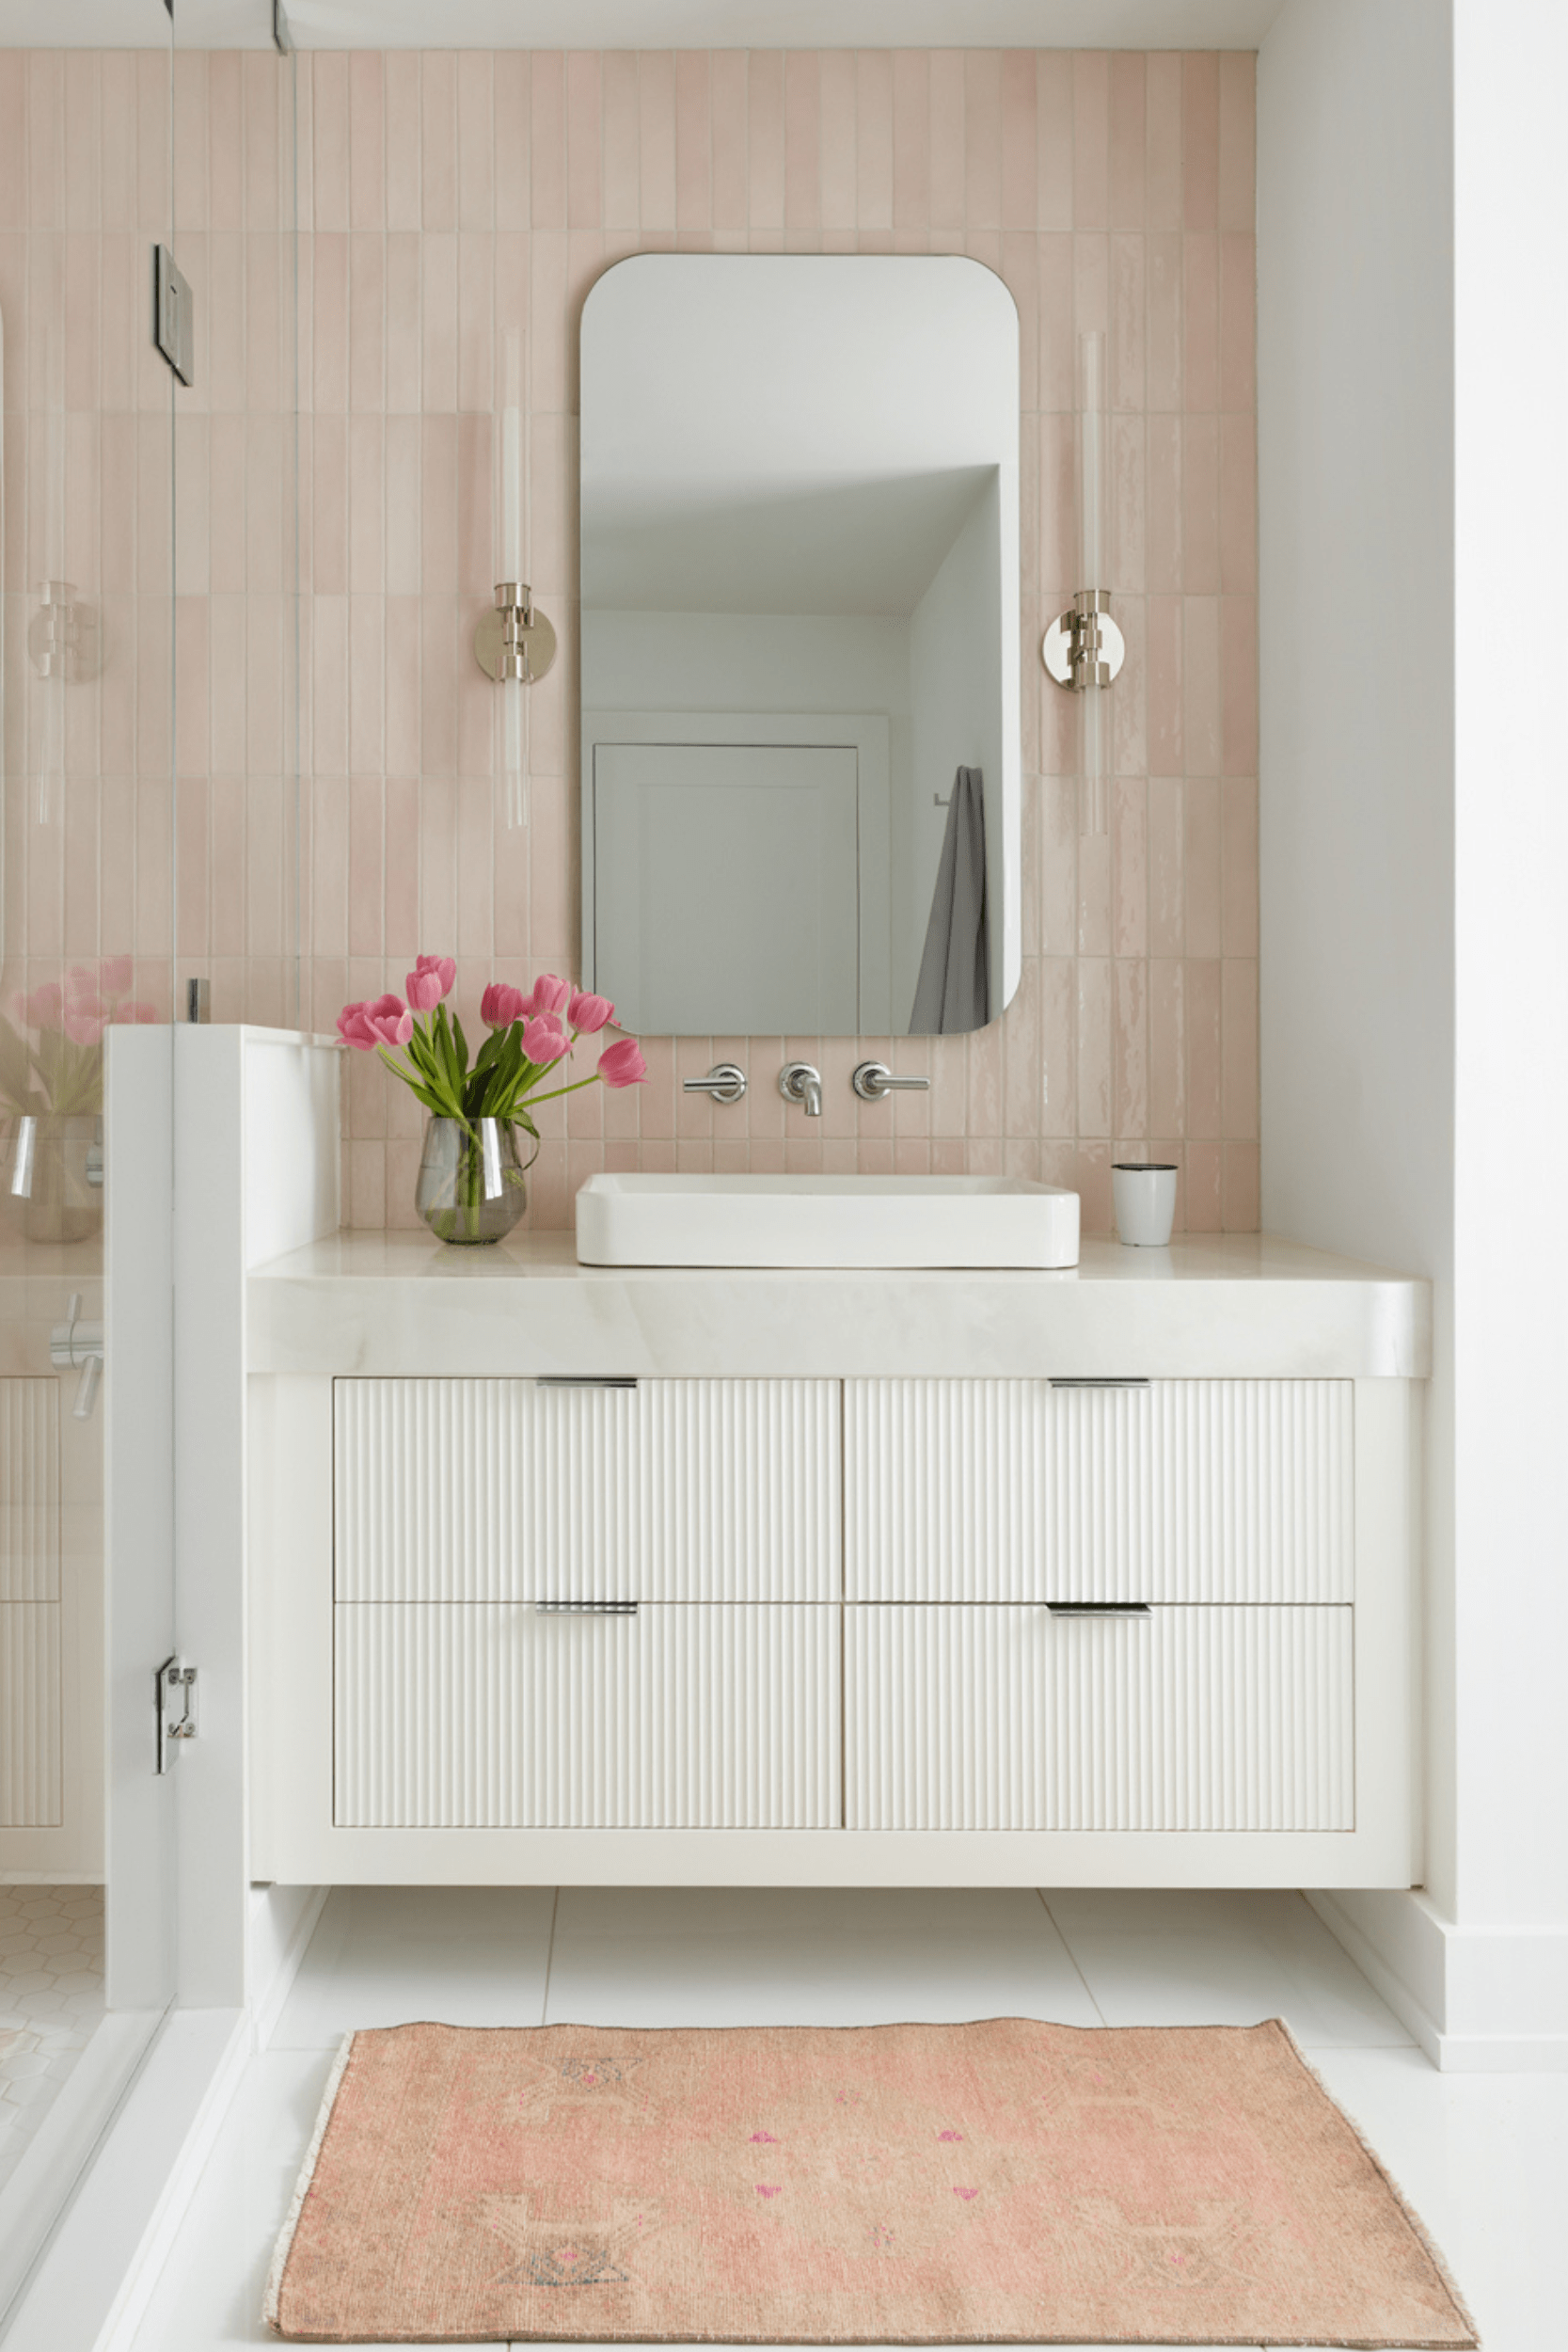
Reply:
x=953 y=993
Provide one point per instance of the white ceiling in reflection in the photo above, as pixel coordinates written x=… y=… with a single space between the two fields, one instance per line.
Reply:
x=834 y=546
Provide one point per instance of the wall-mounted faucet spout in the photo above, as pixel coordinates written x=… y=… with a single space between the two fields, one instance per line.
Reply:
x=800 y=1083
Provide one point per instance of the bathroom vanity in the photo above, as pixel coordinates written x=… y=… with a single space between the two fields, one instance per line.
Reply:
x=576 y=1573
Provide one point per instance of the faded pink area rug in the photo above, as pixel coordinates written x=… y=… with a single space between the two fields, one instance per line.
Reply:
x=998 y=2182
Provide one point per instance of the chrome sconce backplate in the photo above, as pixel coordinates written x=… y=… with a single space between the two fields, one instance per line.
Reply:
x=514 y=639
x=1083 y=647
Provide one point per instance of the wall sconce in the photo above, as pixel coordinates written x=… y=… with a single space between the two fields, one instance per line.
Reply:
x=513 y=642
x=1083 y=649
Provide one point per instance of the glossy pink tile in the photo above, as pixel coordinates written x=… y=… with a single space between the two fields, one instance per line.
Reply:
x=1237 y=139
x=1237 y=625
x=1129 y=140
x=802 y=161
x=1053 y=139
x=1091 y=140
x=1200 y=139
x=1238 y=504
x=949 y=166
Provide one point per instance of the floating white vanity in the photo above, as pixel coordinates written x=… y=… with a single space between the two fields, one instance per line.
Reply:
x=562 y=1573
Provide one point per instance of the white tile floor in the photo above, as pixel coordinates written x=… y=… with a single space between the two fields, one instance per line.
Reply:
x=1484 y=2158
x=51 y=1998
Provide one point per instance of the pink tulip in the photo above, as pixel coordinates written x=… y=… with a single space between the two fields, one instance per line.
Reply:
x=544 y=1042
x=88 y=1006
x=83 y=1029
x=588 y=1013
x=81 y=986
x=444 y=967
x=425 y=991
x=114 y=975
x=621 y=1065
x=501 y=1006
x=132 y=1010
x=44 y=1007
x=550 y=994
x=387 y=1022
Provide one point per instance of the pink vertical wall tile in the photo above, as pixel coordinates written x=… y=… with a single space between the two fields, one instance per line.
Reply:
x=404 y=139
x=1091 y=140
x=693 y=141
x=1200 y=139
x=445 y=192
x=801 y=128
x=1164 y=139
x=1237 y=133
x=476 y=139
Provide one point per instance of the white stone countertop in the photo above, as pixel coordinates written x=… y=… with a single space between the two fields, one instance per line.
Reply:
x=1242 y=1306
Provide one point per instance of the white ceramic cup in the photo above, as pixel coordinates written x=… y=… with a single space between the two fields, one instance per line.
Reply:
x=1145 y=1196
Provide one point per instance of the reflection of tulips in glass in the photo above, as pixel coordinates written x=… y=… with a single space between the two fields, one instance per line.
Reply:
x=471 y=1185
x=51 y=1081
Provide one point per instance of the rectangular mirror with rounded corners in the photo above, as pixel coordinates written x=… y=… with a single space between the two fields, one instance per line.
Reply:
x=799 y=584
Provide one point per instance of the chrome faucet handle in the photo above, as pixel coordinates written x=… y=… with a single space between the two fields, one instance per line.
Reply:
x=873 y=1079
x=725 y=1082
x=798 y=1082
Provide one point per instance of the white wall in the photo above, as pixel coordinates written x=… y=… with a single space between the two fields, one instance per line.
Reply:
x=1413 y=852
x=1510 y=1388
x=956 y=703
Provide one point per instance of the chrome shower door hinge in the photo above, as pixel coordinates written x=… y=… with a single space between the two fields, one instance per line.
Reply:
x=174 y=1699
x=173 y=314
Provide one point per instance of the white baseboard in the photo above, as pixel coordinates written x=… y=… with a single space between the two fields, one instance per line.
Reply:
x=1476 y=2000
x=275 y=1969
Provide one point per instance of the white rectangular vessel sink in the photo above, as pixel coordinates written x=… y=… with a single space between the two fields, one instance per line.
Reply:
x=825 y=1221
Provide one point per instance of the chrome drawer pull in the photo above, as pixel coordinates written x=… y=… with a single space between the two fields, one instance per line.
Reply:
x=585 y=1380
x=1099 y=1384
x=585 y=1608
x=1099 y=1608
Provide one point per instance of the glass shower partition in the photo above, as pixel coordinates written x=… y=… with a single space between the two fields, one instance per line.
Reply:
x=148 y=765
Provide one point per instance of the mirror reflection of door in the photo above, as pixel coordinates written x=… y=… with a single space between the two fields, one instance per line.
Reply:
x=727 y=874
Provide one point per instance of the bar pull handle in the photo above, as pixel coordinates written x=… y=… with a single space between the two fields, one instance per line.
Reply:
x=1099 y=1384
x=582 y=1380
x=1099 y=1608
x=585 y=1608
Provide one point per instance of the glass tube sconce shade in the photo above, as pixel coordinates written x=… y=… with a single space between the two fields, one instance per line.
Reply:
x=513 y=642
x=1083 y=649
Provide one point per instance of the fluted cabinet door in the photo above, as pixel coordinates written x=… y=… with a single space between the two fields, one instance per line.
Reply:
x=29 y=1489
x=31 y=1761
x=1186 y=1719
x=492 y=1490
x=1166 y=1490
x=491 y=1716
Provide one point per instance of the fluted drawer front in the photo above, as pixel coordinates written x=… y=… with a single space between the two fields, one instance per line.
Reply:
x=29 y=1489
x=682 y=1491
x=30 y=1760
x=1187 y=1719
x=1178 y=1490
x=494 y=1717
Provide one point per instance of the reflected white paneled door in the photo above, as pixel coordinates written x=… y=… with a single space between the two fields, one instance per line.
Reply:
x=496 y=1717
x=467 y=1491
x=31 y=1762
x=728 y=874
x=1165 y=1490
x=1185 y=1719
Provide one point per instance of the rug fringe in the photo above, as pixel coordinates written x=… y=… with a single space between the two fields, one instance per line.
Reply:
x=1418 y=2228
x=307 y=2172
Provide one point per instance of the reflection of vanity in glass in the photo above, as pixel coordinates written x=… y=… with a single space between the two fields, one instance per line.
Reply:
x=799 y=621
